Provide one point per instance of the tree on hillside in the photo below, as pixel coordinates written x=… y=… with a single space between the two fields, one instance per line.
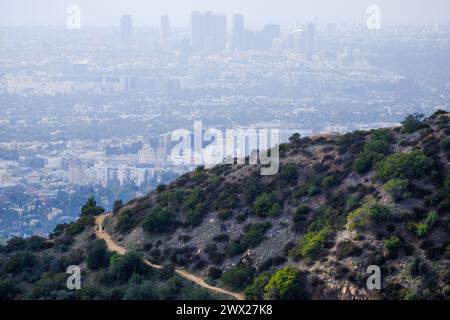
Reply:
x=90 y=208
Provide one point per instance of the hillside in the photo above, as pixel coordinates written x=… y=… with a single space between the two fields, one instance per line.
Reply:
x=338 y=205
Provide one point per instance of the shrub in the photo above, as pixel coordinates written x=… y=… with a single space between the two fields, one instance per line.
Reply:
x=98 y=256
x=159 y=221
x=370 y=211
x=117 y=205
x=266 y=205
x=194 y=216
x=233 y=248
x=432 y=218
x=392 y=244
x=225 y=214
x=445 y=144
x=238 y=277
x=80 y=225
x=422 y=228
x=123 y=267
x=397 y=188
x=365 y=161
x=313 y=190
x=124 y=222
x=256 y=290
x=413 y=123
x=255 y=234
x=383 y=135
x=285 y=284
x=312 y=243
x=403 y=166
x=351 y=142
x=214 y=273
x=377 y=146
x=7 y=290
x=328 y=181
x=143 y=291
x=347 y=249
x=352 y=203
x=416 y=267
x=90 y=208
x=20 y=261
x=289 y=172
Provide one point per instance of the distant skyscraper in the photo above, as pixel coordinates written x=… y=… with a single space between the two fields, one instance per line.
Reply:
x=198 y=28
x=310 y=44
x=3 y=40
x=238 y=32
x=165 y=33
x=208 y=32
x=216 y=32
x=126 y=30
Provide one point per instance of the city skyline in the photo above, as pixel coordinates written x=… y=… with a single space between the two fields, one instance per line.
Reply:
x=284 y=12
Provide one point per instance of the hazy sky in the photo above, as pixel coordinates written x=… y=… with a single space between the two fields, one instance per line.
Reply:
x=257 y=12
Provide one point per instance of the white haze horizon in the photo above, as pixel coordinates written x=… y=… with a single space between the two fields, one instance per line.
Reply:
x=106 y=13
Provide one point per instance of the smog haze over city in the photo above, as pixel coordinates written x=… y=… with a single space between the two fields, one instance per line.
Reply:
x=224 y=150
x=91 y=92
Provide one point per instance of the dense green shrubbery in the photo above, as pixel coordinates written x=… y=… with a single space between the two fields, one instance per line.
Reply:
x=421 y=229
x=255 y=234
x=403 y=166
x=413 y=123
x=441 y=198
x=285 y=284
x=370 y=211
x=98 y=256
x=289 y=173
x=118 y=204
x=256 y=290
x=312 y=243
x=124 y=222
x=374 y=151
x=238 y=277
x=123 y=267
x=365 y=161
x=80 y=225
x=397 y=188
x=20 y=262
x=159 y=221
x=392 y=245
x=266 y=204
x=90 y=208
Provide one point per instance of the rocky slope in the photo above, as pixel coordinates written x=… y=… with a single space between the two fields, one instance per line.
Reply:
x=338 y=205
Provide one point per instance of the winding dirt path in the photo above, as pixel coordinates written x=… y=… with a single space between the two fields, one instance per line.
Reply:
x=112 y=246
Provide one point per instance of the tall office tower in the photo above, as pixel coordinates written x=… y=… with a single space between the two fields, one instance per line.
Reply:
x=270 y=32
x=208 y=32
x=238 y=32
x=126 y=30
x=3 y=40
x=198 y=28
x=216 y=32
x=310 y=44
x=164 y=41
